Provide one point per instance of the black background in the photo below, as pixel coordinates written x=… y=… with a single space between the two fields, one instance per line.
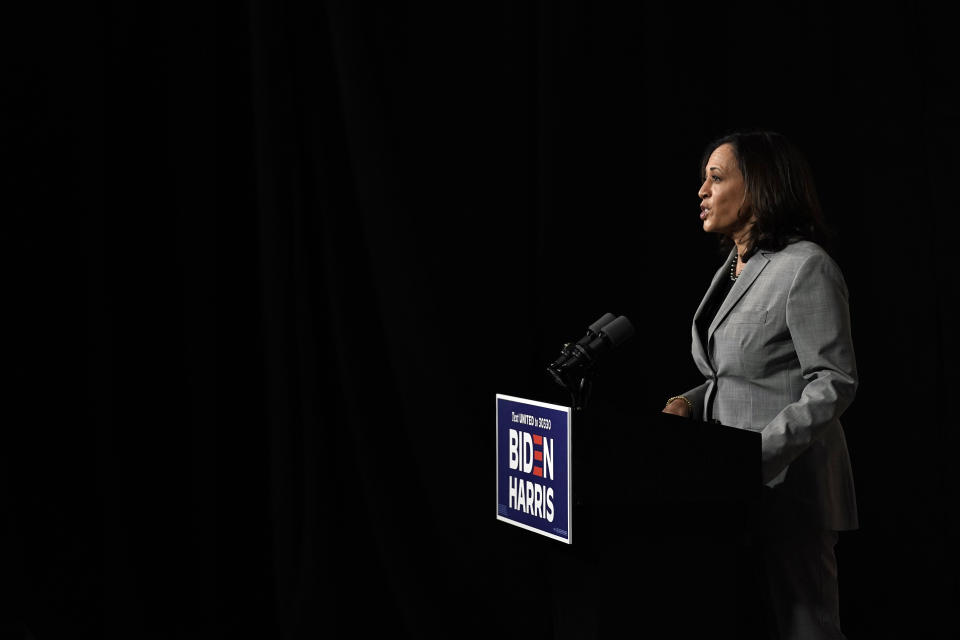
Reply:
x=269 y=262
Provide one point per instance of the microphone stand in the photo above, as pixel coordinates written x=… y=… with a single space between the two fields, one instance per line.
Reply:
x=574 y=370
x=580 y=392
x=578 y=384
x=579 y=388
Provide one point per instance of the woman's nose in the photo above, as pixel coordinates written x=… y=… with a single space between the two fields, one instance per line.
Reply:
x=704 y=189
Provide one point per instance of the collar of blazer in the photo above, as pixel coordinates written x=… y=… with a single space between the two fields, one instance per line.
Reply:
x=751 y=270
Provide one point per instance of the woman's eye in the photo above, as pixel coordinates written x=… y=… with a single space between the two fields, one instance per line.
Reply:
x=715 y=178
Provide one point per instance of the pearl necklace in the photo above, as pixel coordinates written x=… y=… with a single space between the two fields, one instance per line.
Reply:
x=733 y=268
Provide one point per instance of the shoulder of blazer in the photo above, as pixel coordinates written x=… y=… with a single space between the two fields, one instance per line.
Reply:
x=795 y=254
x=788 y=262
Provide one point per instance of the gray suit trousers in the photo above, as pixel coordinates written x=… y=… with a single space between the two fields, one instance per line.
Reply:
x=801 y=586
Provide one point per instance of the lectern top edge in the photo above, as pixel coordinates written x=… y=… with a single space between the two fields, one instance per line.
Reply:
x=545 y=405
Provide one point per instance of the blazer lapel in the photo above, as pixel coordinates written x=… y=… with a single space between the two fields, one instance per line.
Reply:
x=754 y=266
x=700 y=349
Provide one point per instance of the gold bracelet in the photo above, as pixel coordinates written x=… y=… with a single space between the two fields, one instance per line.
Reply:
x=684 y=398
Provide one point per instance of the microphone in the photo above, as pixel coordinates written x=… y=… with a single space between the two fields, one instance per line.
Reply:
x=578 y=359
x=592 y=332
x=594 y=329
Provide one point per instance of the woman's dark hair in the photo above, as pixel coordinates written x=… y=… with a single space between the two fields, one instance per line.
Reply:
x=779 y=184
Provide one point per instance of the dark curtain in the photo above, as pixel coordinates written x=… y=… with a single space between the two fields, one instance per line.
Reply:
x=271 y=261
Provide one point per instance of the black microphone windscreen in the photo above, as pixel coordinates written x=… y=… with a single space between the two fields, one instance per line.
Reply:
x=603 y=321
x=618 y=331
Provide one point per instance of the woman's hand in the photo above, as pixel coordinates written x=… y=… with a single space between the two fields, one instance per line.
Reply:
x=678 y=407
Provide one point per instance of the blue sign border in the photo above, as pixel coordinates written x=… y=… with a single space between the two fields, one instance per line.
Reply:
x=569 y=467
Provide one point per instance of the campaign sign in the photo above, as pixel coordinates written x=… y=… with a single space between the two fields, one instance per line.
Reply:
x=534 y=489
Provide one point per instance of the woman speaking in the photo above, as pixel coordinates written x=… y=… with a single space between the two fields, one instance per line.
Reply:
x=772 y=340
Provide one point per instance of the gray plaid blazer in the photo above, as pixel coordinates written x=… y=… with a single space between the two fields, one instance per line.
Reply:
x=779 y=360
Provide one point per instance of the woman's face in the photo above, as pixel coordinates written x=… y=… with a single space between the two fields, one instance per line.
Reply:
x=722 y=194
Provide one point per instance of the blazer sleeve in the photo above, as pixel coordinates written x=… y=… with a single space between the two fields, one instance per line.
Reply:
x=697 y=397
x=818 y=318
